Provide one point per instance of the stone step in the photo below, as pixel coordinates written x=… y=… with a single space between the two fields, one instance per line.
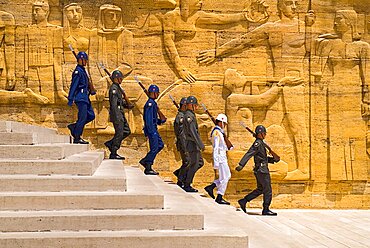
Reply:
x=31 y=138
x=113 y=220
x=79 y=200
x=78 y=164
x=110 y=176
x=126 y=239
x=12 y=126
x=41 y=151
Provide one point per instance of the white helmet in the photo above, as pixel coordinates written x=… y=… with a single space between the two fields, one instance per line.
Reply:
x=222 y=118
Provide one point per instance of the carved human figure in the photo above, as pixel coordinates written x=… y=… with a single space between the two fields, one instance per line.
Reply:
x=287 y=43
x=183 y=21
x=7 y=66
x=43 y=55
x=76 y=35
x=7 y=49
x=345 y=73
x=115 y=51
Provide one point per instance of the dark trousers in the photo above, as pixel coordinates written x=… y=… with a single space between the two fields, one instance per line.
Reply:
x=195 y=163
x=263 y=187
x=156 y=145
x=182 y=171
x=121 y=131
x=85 y=115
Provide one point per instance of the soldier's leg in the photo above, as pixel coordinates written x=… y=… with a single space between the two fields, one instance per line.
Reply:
x=258 y=191
x=255 y=193
x=81 y=121
x=115 y=142
x=90 y=114
x=194 y=158
x=265 y=180
x=126 y=129
x=184 y=166
x=223 y=179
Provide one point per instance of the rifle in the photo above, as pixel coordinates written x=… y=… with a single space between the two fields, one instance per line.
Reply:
x=91 y=85
x=161 y=115
x=122 y=91
x=227 y=141
x=274 y=154
x=174 y=102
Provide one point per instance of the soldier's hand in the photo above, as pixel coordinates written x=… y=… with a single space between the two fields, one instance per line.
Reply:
x=239 y=168
x=70 y=103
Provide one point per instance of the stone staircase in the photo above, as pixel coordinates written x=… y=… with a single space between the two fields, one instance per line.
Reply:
x=56 y=194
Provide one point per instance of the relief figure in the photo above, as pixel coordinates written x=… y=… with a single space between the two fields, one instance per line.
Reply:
x=286 y=42
x=345 y=70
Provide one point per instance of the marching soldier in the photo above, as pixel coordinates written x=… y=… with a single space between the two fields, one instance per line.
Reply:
x=219 y=160
x=79 y=94
x=194 y=144
x=180 y=142
x=151 y=120
x=117 y=115
x=261 y=172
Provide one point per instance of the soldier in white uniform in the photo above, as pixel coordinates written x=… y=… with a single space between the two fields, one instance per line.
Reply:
x=219 y=160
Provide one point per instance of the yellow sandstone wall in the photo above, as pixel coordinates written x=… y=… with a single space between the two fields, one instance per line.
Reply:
x=301 y=68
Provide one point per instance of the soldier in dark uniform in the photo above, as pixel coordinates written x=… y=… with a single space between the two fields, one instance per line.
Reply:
x=194 y=144
x=151 y=120
x=180 y=142
x=79 y=93
x=117 y=115
x=261 y=172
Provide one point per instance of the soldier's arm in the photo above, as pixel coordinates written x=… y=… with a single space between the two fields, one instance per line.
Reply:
x=149 y=116
x=250 y=153
x=194 y=133
x=216 y=145
x=74 y=86
x=113 y=99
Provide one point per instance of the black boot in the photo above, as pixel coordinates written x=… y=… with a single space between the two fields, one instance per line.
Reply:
x=220 y=200
x=149 y=171
x=268 y=212
x=108 y=144
x=80 y=141
x=176 y=173
x=116 y=156
x=189 y=189
x=242 y=204
x=210 y=189
x=143 y=163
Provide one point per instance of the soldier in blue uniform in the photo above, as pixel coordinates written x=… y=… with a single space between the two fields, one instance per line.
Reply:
x=178 y=126
x=116 y=114
x=79 y=94
x=194 y=144
x=152 y=118
x=261 y=172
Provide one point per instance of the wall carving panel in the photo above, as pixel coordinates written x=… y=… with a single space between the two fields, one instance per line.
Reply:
x=299 y=67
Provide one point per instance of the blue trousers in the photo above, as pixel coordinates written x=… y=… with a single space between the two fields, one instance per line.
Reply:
x=85 y=115
x=156 y=145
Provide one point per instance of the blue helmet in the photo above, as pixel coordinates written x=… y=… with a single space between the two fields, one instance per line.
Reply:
x=82 y=55
x=260 y=129
x=153 y=88
x=183 y=101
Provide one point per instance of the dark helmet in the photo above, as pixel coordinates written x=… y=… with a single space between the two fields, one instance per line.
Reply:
x=116 y=74
x=153 y=88
x=82 y=55
x=191 y=100
x=183 y=101
x=260 y=129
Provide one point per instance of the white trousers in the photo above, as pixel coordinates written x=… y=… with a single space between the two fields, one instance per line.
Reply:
x=224 y=176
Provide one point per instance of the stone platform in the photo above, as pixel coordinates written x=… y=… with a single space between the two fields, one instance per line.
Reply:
x=77 y=199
